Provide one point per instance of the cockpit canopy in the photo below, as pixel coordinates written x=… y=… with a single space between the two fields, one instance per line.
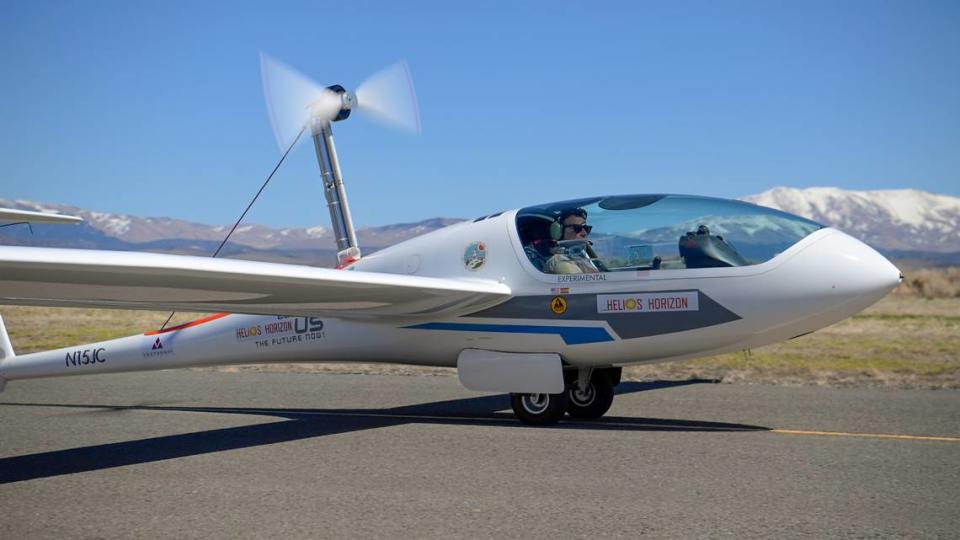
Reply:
x=656 y=232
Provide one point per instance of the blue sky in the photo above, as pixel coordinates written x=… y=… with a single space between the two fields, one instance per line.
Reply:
x=156 y=108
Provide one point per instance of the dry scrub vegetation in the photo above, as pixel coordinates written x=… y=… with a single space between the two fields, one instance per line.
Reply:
x=931 y=283
x=911 y=339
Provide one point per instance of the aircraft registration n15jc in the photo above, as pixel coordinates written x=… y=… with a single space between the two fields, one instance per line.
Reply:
x=547 y=302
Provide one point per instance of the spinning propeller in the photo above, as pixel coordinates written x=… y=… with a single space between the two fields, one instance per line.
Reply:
x=294 y=100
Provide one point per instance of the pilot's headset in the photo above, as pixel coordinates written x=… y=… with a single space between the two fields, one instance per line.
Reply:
x=556 y=228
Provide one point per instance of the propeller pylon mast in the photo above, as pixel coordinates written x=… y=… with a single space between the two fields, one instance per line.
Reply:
x=348 y=249
x=346 y=236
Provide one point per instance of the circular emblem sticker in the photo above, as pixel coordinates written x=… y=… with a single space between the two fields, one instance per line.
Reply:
x=558 y=305
x=475 y=255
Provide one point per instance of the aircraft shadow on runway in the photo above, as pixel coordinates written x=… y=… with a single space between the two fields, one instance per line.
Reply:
x=298 y=424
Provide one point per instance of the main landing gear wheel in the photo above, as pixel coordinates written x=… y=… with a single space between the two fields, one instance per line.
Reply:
x=593 y=400
x=539 y=409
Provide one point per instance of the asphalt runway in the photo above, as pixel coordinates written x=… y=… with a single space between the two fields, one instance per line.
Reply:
x=202 y=454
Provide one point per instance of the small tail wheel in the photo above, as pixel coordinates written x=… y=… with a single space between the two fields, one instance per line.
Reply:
x=593 y=401
x=539 y=409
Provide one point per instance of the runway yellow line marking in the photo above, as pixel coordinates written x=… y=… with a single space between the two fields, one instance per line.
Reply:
x=864 y=435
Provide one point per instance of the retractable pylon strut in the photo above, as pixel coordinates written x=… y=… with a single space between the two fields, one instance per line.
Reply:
x=347 y=248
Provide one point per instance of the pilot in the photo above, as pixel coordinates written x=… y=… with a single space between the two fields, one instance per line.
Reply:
x=571 y=224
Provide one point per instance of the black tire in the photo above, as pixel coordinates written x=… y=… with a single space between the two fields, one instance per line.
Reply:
x=593 y=403
x=539 y=409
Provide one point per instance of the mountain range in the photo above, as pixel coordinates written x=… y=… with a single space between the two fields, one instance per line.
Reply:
x=102 y=230
x=901 y=220
x=906 y=224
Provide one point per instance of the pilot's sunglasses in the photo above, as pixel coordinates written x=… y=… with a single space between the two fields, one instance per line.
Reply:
x=577 y=228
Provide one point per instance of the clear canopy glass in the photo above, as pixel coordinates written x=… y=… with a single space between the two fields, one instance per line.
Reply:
x=653 y=232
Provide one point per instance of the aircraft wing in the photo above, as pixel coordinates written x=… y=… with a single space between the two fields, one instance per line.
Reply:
x=27 y=216
x=130 y=280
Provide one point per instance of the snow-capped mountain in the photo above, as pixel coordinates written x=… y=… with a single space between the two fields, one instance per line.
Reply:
x=901 y=220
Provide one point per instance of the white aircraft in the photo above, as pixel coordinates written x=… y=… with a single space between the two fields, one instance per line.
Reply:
x=546 y=302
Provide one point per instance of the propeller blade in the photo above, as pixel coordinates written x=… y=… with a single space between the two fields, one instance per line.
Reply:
x=292 y=99
x=388 y=96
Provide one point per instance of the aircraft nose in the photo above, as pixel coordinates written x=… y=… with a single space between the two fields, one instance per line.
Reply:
x=833 y=277
x=855 y=270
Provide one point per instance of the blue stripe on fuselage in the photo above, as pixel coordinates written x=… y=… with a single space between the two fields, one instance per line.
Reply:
x=572 y=335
